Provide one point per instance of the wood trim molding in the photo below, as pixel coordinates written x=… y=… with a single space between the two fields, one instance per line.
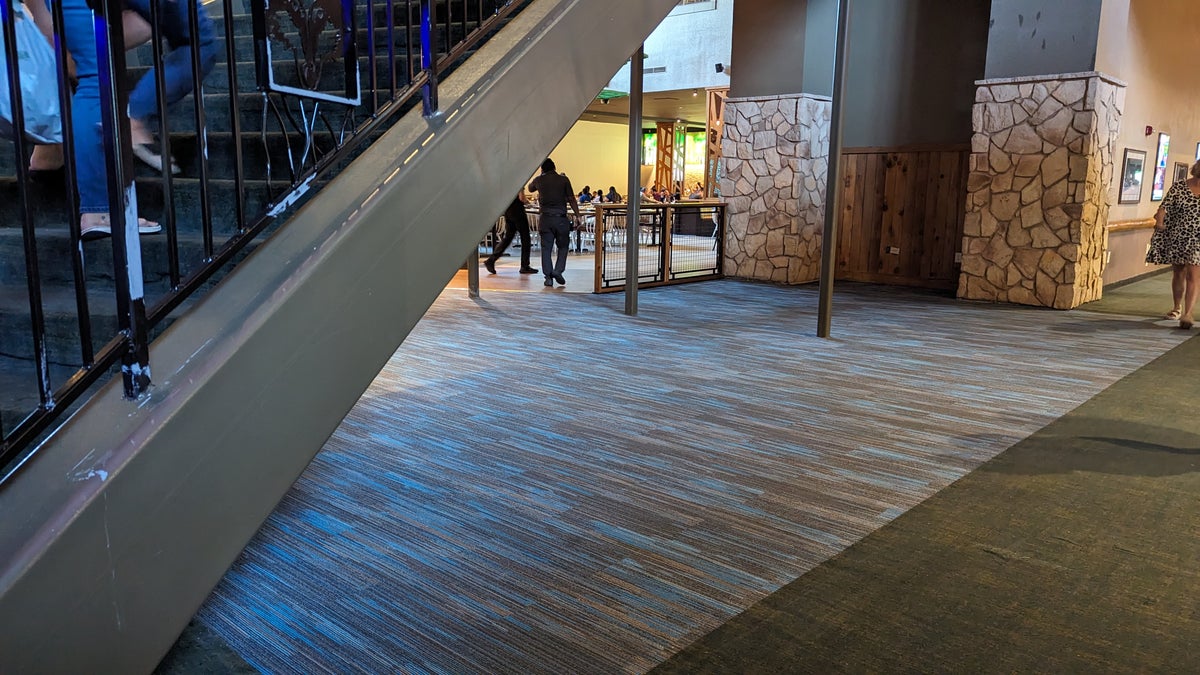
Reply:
x=920 y=147
x=1126 y=225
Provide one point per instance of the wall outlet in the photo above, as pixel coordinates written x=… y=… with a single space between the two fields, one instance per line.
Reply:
x=894 y=250
x=958 y=257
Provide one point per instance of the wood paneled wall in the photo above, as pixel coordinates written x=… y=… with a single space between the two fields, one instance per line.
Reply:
x=902 y=215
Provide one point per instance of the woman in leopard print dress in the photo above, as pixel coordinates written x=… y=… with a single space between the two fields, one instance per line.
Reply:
x=1176 y=242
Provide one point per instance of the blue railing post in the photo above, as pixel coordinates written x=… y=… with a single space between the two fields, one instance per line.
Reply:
x=429 y=96
x=122 y=198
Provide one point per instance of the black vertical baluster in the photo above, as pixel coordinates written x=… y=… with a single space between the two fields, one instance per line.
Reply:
x=32 y=275
x=202 y=132
x=235 y=117
x=720 y=215
x=449 y=36
x=668 y=225
x=122 y=199
x=462 y=25
x=86 y=352
x=372 y=76
x=408 y=40
x=391 y=33
x=164 y=135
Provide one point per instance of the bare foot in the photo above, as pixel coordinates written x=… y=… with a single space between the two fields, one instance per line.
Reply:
x=138 y=133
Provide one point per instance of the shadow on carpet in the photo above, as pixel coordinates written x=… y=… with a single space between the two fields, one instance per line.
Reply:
x=1077 y=550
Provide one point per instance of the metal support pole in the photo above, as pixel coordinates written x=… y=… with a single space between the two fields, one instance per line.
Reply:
x=833 y=192
x=473 y=273
x=634 y=201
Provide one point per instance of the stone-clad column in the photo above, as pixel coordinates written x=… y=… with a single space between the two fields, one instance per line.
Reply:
x=1041 y=183
x=775 y=157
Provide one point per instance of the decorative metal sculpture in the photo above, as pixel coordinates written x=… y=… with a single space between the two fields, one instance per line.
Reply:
x=315 y=33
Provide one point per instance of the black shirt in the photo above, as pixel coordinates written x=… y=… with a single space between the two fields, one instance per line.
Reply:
x=554 y=193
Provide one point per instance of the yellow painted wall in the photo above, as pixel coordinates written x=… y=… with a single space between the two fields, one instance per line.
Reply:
x=1152 y=45
x=594 y=153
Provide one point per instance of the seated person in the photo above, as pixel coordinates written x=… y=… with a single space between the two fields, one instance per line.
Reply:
x=612 y=197
x=697 y=192
x=586 y=195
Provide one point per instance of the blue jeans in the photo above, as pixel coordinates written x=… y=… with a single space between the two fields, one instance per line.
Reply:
x=79 y=30
x=177 y=63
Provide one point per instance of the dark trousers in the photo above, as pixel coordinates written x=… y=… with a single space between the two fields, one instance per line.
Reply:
x=556 y=232
x=513 y=225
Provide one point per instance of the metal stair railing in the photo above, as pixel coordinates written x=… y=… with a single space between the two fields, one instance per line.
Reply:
x=320 y=131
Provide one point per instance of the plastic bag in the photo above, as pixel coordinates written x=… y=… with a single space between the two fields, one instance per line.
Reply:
x=39 y=82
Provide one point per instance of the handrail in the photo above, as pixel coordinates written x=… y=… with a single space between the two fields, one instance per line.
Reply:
x=1126 y=225
x=318 y=157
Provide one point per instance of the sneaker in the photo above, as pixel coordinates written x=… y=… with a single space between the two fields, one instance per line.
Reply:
x=549 y=282
x=490 y=265
x=561 y=281
x=529 y=270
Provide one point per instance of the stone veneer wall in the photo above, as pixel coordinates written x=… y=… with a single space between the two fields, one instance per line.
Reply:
x=1040 y=187
x=775 y=157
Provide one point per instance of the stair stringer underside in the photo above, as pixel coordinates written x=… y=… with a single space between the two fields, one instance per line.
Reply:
x=122 y=523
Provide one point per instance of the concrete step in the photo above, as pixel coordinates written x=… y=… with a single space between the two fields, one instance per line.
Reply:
x=257 y=149
x=61 y=322
x=54 y=256
x=50 y=209
x=18 y=384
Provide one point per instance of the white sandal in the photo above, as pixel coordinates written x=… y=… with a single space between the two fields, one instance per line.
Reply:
x=103 y=229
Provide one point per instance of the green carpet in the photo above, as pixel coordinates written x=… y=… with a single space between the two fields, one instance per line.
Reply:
x=1077 y=550
x=1149 y=296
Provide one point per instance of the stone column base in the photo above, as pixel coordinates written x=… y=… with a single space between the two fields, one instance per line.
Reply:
x=1041 y=184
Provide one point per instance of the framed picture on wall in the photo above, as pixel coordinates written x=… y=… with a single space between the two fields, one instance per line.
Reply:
x=1198 y=152
x=1132 y=169
x=1181 y=172
x=1159 y=188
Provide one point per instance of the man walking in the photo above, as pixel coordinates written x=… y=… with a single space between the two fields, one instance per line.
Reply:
x=515 y=222
x=554 y=194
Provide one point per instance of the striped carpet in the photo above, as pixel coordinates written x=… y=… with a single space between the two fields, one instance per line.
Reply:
x=538 y=484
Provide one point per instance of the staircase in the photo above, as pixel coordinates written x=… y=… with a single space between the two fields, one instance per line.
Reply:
x=265 y=142
x=129 y=514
